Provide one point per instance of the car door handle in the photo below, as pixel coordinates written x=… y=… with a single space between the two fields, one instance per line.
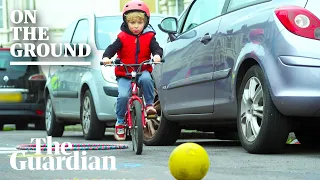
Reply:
x=206 y=38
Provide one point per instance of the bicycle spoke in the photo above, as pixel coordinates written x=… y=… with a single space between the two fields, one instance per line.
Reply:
x=157 y=105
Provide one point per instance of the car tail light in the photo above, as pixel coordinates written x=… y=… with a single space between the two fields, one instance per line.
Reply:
x=299 y=21
x=37 y=77
x=39 y=112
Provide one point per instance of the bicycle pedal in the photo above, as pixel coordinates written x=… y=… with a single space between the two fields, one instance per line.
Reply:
x=152 y=116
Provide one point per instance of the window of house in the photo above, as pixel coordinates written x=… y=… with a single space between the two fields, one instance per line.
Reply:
x=1 y=14
x=180 y=6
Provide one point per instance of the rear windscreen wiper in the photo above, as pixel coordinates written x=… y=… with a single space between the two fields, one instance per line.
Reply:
x=3 y=69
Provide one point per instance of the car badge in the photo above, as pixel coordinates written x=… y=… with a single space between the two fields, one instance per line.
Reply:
x=6 y=78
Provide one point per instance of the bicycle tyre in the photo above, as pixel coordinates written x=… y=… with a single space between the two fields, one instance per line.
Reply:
x=137 y=129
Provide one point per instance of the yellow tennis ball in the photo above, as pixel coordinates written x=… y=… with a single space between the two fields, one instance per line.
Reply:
x=189 y=161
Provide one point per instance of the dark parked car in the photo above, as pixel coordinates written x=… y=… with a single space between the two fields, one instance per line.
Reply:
x=245 y=66
x=21 y=92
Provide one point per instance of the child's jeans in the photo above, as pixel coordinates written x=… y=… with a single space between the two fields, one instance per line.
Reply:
x=124 y=86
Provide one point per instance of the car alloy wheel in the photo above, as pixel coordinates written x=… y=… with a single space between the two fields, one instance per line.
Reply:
x=252 y=109
x=152 y=125
x=86 y=115
x=262 y=128
x=48 y=115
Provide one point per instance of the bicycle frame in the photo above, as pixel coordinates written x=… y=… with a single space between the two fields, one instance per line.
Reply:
x=134 y=96
x=134 y=92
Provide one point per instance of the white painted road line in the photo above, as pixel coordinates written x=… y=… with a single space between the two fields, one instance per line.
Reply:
x=10 y=150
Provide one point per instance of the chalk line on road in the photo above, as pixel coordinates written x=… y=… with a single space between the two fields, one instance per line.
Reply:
x=10 y=150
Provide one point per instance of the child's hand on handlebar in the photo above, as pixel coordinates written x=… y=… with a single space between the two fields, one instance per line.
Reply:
x=106 y=61
x=156 y=58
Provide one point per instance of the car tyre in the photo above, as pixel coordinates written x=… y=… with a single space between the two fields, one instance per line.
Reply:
x=92 y=127
x=53 y=127
x=262 y=129
x=167 y=133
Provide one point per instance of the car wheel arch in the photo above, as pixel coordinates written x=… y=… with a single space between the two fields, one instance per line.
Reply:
x=83 y=90
x=157 y=85
x=243 y=67
x=46 y=94
x=85 y=86
x=241 y=71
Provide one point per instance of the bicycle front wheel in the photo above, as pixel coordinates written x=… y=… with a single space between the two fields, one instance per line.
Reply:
x=137 y=129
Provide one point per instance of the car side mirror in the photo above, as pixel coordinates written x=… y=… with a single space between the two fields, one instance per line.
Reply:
x=169 y=25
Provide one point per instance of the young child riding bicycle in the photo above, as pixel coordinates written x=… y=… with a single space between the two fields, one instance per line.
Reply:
x=134 y=44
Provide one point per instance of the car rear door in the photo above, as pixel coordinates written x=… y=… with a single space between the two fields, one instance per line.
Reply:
x=189 y=62
x=245 y=26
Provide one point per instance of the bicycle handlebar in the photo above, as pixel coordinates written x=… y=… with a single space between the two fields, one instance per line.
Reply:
x=118 y=62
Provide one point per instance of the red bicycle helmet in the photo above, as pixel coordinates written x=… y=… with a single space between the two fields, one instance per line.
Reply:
x=136 y=5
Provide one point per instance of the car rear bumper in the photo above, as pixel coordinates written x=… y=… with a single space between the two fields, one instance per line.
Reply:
x=296 y=89
x=16 y=111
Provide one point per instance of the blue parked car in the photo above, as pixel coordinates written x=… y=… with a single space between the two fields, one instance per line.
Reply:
x=249 y=66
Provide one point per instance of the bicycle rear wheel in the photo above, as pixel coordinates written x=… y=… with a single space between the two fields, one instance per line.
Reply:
x=137 y=130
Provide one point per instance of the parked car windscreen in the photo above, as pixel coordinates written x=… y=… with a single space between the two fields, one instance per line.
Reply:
x=107 y=29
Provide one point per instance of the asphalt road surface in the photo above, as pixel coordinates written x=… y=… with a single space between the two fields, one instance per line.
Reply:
x=228 y=161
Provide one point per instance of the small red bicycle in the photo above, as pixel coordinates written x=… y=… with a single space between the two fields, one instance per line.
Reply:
x=135 y=114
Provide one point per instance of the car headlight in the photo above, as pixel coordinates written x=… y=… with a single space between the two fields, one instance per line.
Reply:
x=108 y=74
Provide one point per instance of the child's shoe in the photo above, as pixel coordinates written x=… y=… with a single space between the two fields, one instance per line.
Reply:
x=120 y=132
x=150 y=110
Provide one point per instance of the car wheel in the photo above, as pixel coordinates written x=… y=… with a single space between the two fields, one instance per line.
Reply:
x=92 y=127
x=53 y=127
x=160 y=131
x=261 y=127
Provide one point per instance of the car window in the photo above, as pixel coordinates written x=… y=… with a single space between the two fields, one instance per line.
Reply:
x=6 y=58
x=236 y=4
x=67 y=34
x=181 y=20
x=202 y=11
x=82 y=32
